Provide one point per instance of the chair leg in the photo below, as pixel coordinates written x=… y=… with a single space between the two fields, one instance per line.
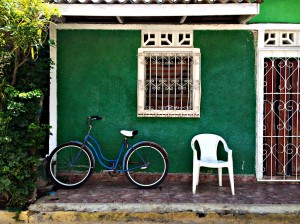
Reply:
x=220 y=176
x=195 y=178
x=231 y=178
x=198 y=175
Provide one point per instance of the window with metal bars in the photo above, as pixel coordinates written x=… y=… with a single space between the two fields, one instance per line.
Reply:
x=169 y=82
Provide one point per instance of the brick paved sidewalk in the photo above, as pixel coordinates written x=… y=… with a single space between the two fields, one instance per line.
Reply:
x=250 y=198
x=172 y=202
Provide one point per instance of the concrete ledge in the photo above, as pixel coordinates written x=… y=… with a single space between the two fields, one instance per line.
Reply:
x=205 y=208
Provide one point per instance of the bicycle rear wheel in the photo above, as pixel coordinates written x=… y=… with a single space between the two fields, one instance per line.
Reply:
x=146 y=165
x=70 y=165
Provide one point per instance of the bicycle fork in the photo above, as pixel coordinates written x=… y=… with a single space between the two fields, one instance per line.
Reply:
x=77 y=157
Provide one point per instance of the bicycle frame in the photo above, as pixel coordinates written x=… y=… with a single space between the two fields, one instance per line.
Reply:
x=91 y=142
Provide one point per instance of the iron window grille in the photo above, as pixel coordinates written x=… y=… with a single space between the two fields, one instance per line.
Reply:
x=169 y=82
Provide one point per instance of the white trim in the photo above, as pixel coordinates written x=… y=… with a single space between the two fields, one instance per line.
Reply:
x=153 y=27
x=282 y=52
x=196 y=92
x=156 y=27
x=158 y=10
x=277 y=180
x=279 y=26
x=53 y=91
x=259 y=118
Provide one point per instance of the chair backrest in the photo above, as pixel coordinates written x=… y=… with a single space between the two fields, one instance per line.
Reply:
x=208 y=144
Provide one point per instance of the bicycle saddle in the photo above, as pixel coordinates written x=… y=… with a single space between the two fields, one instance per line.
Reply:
x=129 y=134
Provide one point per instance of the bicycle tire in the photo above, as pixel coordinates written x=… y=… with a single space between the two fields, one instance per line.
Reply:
x=70 y=165
x=146 y=165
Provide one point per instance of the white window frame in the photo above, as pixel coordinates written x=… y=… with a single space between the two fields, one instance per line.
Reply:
x=196 y=91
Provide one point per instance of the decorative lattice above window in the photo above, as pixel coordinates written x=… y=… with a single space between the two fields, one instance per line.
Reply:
x=282 y=38
x=167 y=39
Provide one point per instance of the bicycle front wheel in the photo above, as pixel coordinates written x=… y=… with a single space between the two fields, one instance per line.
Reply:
x=146 y=165
x=70 y=165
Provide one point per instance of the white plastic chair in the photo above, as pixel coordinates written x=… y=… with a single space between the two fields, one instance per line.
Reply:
x=208 y=144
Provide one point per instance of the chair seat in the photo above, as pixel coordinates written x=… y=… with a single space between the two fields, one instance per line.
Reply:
x=213 y=163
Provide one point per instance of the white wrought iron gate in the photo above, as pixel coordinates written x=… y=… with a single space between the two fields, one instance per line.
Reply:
x=278 y=132
x=281 y=124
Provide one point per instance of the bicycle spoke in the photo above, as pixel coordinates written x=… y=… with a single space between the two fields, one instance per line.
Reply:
x=146 y=166
x=70 y=165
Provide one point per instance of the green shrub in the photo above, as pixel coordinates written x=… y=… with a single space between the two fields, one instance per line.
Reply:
x=24 y=74
x=21 y=138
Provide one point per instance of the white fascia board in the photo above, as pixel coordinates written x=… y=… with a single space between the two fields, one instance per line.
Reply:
x=177 y=27
x=53 y=91
x=145 y=10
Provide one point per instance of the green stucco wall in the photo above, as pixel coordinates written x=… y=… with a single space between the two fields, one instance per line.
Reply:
x=278 y=11
x=97 y=74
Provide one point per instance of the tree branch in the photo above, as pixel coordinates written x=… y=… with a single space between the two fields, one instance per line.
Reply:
x=17 y=65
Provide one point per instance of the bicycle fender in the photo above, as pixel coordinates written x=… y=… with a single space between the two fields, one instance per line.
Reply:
x=76 y=142
x=141 y=144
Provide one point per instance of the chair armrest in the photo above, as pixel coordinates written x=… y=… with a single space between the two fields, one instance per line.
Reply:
x=229 y=152
x=194 y=149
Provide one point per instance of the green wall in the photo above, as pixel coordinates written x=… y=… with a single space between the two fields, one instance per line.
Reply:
x=278 y=11
x=97 y=74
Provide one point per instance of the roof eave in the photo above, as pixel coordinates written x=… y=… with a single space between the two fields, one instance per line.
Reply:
x=244 y=11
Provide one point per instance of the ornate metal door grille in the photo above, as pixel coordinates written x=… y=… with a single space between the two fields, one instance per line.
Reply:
x=281 y=127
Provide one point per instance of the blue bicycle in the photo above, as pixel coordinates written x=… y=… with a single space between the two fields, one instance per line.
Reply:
x=145 y=163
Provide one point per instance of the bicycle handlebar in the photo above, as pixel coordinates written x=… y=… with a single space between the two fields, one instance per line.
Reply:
x=96 y=117
x=92 y=118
